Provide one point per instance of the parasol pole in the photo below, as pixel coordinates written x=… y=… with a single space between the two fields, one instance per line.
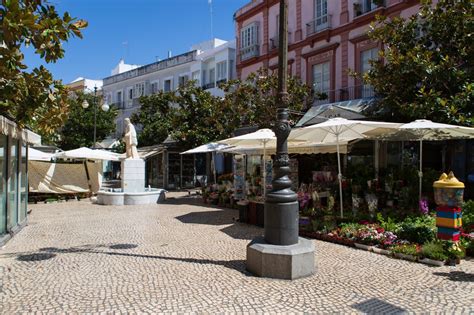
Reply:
x=420 y=172
x=339 y=175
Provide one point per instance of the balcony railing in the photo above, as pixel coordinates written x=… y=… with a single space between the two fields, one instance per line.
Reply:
x=249 y=52
x=319 y=24
x=365 y=6
x=274 y=41
x=345 y=94
x=119 y=105
x=209 y=85
x=218 y=82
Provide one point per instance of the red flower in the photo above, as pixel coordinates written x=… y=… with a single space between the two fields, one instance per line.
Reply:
x=380 y=230
x=364 y=222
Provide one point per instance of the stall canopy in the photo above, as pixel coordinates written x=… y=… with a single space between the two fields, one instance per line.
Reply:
x=336 y=130
x=422 y=129
x=37 y=155
x=260 y=137
x=86 y=153
x=206 y=148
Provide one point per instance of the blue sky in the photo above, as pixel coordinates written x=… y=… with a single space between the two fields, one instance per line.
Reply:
x=148 y=27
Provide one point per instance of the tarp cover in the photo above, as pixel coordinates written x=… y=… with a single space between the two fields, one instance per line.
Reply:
x=63 y=178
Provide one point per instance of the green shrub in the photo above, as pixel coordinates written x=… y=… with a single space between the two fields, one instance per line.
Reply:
x=468 y=215
x=350 y=230
x=418 y=229
x=434 y=250
x=407 y=249
x=387 y=225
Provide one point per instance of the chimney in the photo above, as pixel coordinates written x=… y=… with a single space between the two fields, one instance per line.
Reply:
x=169 y=53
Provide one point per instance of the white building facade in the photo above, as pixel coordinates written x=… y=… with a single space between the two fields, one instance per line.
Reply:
x=208 y=63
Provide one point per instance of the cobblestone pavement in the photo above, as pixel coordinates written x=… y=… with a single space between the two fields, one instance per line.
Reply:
x=185 y=257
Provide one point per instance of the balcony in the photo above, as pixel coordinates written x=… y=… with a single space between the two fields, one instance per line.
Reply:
x=208 y=86
x=319 y=24
x=365 y=6
x=249 y=52
x=274 y=41
x=345 y=94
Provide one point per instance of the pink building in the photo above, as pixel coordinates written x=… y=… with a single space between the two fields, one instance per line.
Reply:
x=326 y=39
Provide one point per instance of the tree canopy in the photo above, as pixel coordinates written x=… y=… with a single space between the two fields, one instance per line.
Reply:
x=192 y=116
x=426 y=69
x=79 y=127
x=33 y=97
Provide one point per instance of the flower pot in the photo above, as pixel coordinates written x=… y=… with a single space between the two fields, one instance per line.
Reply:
x=432 y=262
x=363 y=246
x=381 y=251
x=405 y=256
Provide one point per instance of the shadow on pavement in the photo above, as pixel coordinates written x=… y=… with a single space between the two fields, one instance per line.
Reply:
x=459 y=276
x=35 y=257
x=377 y=306
x=50 y=252
x=222 y=217
x=235 y=230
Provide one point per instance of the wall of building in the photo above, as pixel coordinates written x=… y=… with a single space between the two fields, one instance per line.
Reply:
x=13 y=184
x=340 y=40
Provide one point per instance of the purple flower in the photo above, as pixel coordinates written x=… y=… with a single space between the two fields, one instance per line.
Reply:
x=424 y=206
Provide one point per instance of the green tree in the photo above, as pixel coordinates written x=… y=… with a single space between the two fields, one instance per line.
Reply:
x=426 y=69
x=255 y=98
x=155 y=117
x=79 y=127
x=33 y=97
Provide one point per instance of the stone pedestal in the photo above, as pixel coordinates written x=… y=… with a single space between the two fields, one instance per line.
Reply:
x=281 y=262
x=133 y=175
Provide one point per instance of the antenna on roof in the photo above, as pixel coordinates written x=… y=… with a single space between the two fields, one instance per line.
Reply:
x=210 y=9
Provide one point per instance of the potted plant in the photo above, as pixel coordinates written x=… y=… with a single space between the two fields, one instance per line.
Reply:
x=406 y=251
x=433 y=253
x=366 y=238
x=387 y=240
x=455 y=252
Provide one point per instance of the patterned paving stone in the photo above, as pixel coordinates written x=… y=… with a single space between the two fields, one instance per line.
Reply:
x=183 y=257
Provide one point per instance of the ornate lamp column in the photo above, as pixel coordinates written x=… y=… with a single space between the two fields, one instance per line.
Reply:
x=281 y=253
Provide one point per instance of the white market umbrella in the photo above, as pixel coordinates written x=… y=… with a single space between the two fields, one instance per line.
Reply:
x=257 y=138
x=37 y=155
x=423 y=129
x=86 y=153
x=340 y=129
x=211 y=147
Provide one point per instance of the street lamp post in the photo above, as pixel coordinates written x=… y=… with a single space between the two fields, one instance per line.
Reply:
x=281 y=253
x=104 y=107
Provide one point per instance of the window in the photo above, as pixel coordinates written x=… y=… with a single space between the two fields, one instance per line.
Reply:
x=321 y=78
x=12 y=208
x=139 y=89
x=167 y=85
x=365 y=57
x=221 y=70
x=204 y=77
x=119 y=97
x=212 y=75
x=154 y=87
x=321 y=17
x=130 y=93
x=182 y=80
x=249 y=35
x=231 y=69
x=196 y=77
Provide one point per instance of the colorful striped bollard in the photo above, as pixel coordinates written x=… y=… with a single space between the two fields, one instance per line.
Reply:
x=448 y=192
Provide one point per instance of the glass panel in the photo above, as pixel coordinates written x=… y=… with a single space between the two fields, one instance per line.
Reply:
x=3 y=208
x=321 y=77
x=23 y=184
x=13 y=185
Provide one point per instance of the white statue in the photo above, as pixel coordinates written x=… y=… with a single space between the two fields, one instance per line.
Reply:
x=130 y=140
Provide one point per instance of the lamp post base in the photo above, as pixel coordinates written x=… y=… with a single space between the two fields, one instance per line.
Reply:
x=281 y=262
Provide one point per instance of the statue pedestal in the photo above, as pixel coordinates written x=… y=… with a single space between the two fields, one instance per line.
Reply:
x=133 y=175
